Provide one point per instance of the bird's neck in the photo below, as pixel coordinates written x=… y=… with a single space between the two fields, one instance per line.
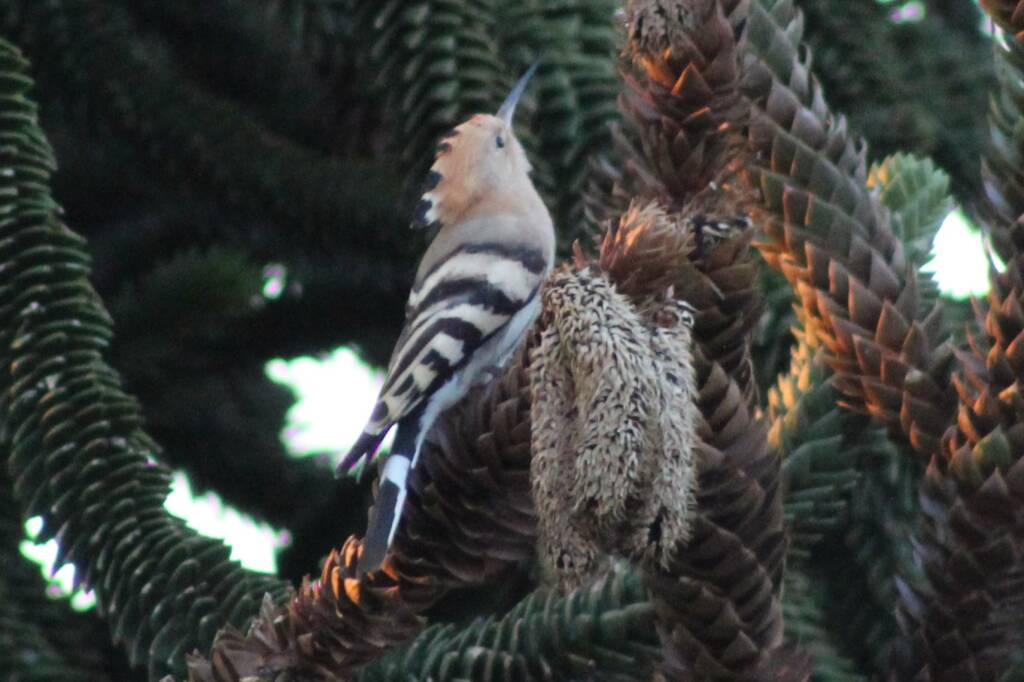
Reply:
x=518 y=196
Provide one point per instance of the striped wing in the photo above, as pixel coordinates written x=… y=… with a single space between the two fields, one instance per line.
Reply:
x=455 y=307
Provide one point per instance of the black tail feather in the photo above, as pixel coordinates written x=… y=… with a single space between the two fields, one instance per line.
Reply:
x=375 y=544
x=387 y=509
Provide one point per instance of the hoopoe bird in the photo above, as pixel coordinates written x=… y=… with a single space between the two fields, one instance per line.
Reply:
x=475 y=295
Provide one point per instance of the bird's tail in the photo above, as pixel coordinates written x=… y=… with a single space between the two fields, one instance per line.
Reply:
x=387 y=510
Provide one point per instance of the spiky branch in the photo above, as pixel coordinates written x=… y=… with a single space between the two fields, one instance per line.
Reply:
x=834 y=242
x=78 y=455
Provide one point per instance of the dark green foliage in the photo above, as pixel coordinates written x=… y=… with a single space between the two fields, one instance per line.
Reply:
x=435 y=63
x=917 y=193
x=824 y=449
x=773 y=336
x=849 y=501
x=1001 y=169
x=808 y=624
x=193 y=137
x=438 y=61
x=183 y=345
x=186 y=300
x=839 y=600
x=604 y=630
x=1016 y=673
x=916 y=86
x=77 y=455
x=25 y=652
x=840 y=592
x=850 y=497
x=183 y=188
x=576 y=90
x=233 y=48
x=41 y=637
x=200 y=142
x=861 y=567
x=178 y=340
x=319 y=28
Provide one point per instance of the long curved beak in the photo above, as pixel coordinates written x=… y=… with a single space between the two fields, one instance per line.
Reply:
x=508 y=107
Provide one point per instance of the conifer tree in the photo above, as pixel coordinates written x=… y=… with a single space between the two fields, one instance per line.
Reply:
x=825 y=478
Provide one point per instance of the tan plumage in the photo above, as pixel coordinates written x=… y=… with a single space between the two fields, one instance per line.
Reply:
x=474 y=295
x=496 y=205
x=472 y=175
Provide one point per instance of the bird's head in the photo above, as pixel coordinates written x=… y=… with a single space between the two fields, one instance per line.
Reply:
x=480 y=159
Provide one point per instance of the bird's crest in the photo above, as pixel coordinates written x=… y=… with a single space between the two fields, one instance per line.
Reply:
x=427 y=214
x=469 y=158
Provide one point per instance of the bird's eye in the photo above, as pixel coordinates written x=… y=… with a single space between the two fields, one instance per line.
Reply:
x=500 y=142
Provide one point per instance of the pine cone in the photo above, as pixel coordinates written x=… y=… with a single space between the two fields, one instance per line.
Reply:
x=612 y=387
x=330 y=626
x=738 y=489
x=680 y=146
x=833 y=241
x=648 y=250
x=831 y=238
x=708 y=264
x=1001 y=171
x=682 y=96
x=723 y=287
x=850 y=496
x=680 y=104
x=468 y=519
x=718 y=605
x=469 y=513
x=967 y=623
x=716 y=619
